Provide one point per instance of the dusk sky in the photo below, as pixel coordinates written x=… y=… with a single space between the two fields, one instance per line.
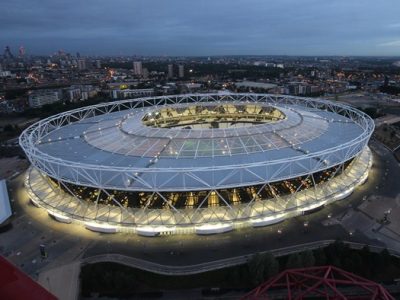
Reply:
x=202 y=27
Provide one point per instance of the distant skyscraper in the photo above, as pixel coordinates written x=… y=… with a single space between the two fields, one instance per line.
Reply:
x=81 y=64
x=21 y=51
x=78 y=55
x=181 y=71
x=7 y=52
x=170 y=71
x=386 y=81
x=98 y=64
x=137 y=68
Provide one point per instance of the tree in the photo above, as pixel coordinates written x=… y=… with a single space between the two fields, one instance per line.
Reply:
x=8 y=128
x=294 y=261
x=365 y=253
x=256 y=268
x=307 y=258
x=320 y=257
x=385 y=257
x=236 y=277
x=354 y=263
x=372 y=112
x=271 y=265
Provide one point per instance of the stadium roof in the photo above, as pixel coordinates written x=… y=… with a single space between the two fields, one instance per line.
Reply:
x=113 y=137
x=129 y=141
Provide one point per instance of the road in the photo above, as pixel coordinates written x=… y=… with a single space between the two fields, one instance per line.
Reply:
x=383 y=198
x=217 y=264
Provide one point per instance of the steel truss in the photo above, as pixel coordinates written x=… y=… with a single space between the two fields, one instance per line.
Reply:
x=325 y=282
x=258 y=212
x=191 y=179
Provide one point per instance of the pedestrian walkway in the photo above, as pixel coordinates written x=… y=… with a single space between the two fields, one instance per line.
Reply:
x=63 y=282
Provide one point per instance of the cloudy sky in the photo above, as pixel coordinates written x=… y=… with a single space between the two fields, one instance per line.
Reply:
x=202 y=27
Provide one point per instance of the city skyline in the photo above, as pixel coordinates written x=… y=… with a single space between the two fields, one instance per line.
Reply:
x=343 y=28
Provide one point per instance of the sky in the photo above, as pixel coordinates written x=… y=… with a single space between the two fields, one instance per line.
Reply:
x=202 y=27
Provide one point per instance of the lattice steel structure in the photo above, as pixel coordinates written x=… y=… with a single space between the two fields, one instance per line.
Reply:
x=326 y=282
x=202 y=163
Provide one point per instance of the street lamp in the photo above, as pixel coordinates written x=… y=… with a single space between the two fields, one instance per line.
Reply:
x=305 y=226
x=386 y=216
x=279 y=233
x=43 y=252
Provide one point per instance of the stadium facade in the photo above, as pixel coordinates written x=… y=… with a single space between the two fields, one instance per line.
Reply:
x=195 y=163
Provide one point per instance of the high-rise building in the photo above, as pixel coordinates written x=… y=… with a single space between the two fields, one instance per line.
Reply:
x=21 y=51
x=81 y=64
x=137 y=68
x=98 y=64
x=170 y=71
x=181 y=71
x=386 y=81
x=145 y=73
x=7 y=52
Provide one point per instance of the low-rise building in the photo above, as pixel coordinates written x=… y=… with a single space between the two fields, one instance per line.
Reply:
x=255 y=85
x=131 y=93
x=80 y=92
x=6 y=74
x=43 y=97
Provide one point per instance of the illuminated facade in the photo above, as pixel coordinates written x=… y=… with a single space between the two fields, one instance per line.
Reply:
x=197 y=163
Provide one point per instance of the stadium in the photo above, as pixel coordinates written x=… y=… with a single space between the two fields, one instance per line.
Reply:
x=195 y=163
